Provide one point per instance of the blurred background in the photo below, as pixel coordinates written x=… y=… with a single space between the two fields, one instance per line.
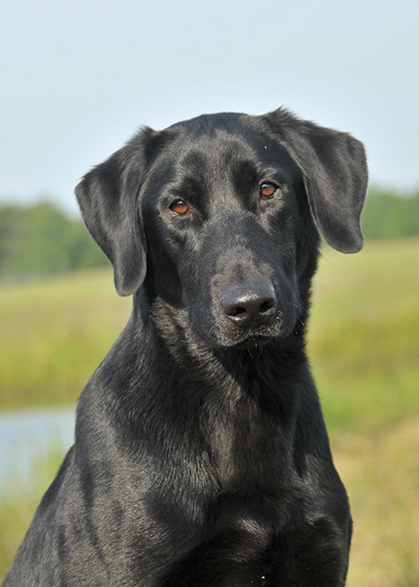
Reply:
x=78 y=79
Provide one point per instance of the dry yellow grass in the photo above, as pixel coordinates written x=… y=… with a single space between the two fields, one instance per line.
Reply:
x=381 y=474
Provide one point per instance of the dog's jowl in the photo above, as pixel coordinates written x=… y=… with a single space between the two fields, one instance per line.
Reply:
x=201 y=457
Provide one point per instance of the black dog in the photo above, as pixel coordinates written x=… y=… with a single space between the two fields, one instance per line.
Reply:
x=201 y=456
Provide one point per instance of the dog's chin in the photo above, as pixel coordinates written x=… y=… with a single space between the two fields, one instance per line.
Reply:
x=252 y=342
x=255 y=339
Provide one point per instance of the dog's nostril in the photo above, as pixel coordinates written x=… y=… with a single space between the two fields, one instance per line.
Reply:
x=267 y=305
x=237 y=311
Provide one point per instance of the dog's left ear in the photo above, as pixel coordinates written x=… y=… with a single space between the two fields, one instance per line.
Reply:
x=334 y=169
x=107 y=197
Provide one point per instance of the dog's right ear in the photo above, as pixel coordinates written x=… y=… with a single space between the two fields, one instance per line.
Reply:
x=335 y=174
x=107 y=197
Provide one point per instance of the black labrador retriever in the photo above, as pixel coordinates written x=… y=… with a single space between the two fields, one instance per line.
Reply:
x=201 y=457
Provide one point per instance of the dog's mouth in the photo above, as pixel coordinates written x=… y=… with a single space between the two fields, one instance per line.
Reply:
x=253 y=342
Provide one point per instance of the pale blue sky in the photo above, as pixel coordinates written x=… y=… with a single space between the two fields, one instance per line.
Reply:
x=79 y=77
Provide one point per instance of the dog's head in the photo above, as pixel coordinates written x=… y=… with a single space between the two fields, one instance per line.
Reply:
x=216 y=217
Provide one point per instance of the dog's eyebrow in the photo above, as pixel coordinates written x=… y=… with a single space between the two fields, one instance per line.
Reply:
x=190 y=186
x=247 y=174
x=276 y=174
x=244 y=174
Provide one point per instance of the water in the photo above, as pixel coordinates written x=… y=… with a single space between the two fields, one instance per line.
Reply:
x=27 y=435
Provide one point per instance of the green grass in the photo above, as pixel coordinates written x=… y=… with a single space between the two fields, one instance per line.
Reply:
x=54 y=333
x=381 y=474
x=18 y=506
x=363 y=336
x=364 y=349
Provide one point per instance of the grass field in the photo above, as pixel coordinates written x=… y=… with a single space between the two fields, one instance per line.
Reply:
x=364 y=334
x=54 y=333
x=364 y=348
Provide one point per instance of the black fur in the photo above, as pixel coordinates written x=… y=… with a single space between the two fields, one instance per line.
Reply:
x=201 y=457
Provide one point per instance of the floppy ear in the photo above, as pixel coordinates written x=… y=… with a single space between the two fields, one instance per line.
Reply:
x=107 y=197
x=335 y=174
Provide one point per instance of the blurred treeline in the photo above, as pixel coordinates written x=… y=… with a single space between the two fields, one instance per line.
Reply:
x=40 y=240
x=37 y=241
x=388 y=215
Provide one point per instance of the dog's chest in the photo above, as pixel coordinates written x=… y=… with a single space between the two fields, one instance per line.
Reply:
x=257 y=483
x=248 y=447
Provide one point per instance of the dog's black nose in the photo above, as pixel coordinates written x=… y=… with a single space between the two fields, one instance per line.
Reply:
x=251 y=302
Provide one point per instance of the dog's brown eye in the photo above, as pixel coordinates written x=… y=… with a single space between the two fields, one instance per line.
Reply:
x=180 y=207
x=267 y=190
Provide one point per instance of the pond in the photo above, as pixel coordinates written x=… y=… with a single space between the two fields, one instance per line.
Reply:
x=27 y=435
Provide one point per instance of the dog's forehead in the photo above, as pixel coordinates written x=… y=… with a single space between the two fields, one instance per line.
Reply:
x=214 y=154
x=216 y=145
